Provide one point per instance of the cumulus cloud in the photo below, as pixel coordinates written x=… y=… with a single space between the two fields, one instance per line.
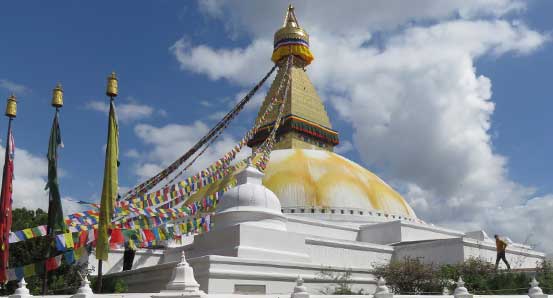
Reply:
x=127 y=111
x=345 y=146
x=167 y=143
x=14 y=87
x=30 y=176
x=418 y=107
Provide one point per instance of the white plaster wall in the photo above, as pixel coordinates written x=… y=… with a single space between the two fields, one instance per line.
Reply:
x=347 y=254
x=278 y=277
x=443 y=251
x=416 y=232
x=382 y=233
x=401 y=231
x=314 y=227
x=142 y=258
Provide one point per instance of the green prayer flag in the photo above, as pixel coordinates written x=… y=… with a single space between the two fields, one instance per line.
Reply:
x=109 y=189
x=56 y=223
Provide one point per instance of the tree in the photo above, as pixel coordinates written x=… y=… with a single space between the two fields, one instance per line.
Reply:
x=65 y=279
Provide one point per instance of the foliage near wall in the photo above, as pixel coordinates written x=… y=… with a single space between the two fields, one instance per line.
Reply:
x=413 y=276
x=64 y=280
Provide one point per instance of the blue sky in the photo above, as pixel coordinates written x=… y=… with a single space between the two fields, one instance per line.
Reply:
x=160 y=51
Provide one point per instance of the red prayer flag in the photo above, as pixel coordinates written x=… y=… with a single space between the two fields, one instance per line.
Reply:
x=149 y=235
x=51 y=264
x=6 y=207
x=116 y=237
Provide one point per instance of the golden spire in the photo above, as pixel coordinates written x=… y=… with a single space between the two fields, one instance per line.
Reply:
x=11 y=107
x=57 y=96
x=305 y=123
x=291 y=39
x=112 y=88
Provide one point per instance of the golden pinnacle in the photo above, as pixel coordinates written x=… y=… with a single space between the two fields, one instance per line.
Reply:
x=112 y=88
x=57 y=96
x=11 y=107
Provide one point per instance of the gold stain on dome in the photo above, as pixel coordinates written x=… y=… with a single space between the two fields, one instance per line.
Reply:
x=325 y=179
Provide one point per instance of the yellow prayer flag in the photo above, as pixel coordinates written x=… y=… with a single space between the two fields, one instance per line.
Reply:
x=28 y=233
x=109 y=189
x=68 y=240
x=29 y=270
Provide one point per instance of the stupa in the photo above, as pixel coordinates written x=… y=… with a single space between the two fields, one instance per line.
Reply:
x=311 y=211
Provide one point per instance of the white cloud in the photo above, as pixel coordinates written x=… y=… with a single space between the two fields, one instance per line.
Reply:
x=126 y=111
x=169 y=142
x=418 y=108
x=30 y=176
x=345 y=146
x=239 y=65
x=14 y=87
x=261 y=18
x=132 y=153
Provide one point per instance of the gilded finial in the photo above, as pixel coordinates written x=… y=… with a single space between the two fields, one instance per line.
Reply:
x=290 y=19
x=112 y=88
x=57 y=96
x=11 y=107
x=291 y=39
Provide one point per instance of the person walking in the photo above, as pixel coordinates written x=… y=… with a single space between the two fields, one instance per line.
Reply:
x=501 y=246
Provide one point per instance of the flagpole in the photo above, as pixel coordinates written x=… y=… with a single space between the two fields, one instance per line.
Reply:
x=110 y=184
x=6 y=192
x=57 y=103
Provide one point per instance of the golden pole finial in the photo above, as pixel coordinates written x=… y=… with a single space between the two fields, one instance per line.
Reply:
x=11 y=107
x=112 y=87
x=57 y=96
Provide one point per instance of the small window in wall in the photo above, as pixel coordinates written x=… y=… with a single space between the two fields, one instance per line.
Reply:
x=351 y=212
x=312 y=210
x=293 y=211
x=282 y=210
x=360 y=212
x=342 y=211
x=250 y=289
x=332 y=211
x=323 y=210
x=302 y=210
x=379 y=214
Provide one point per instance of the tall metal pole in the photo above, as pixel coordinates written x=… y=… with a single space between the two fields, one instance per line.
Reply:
x=57 y=102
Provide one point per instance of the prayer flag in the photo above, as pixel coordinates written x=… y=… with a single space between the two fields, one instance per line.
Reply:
x=56 y=223
x=28 y=233
x=29 y=270
x=68 y=240
x=6 y=206
x=109 y=188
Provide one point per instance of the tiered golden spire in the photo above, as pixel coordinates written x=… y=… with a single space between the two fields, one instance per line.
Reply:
x=305 y=121
x=291 y=39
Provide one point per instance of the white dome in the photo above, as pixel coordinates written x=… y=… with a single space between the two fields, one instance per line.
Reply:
x=250 y=202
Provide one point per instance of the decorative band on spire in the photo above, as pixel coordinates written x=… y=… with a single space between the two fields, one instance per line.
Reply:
x=291 y=39
x=297 y=48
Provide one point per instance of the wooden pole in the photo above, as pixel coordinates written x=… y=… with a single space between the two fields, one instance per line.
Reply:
x=99 y=278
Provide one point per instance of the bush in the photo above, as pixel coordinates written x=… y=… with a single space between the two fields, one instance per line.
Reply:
x=412 y=276
x=340 y=285
x=110 y=285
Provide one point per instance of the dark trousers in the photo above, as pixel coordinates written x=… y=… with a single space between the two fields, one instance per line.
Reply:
x=128 y=258
x=501 y=256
